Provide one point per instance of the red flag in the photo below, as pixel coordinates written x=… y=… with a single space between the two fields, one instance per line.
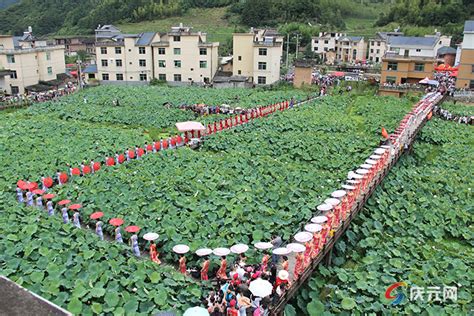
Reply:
x=430 y=115
x=384 y=133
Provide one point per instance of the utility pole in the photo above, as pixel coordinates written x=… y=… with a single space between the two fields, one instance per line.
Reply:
x=297 y=44
x=287 y=48
x=79 y=74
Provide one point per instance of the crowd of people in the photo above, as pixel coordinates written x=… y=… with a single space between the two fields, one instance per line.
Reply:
x=446 y=115
x=35 y=97
x=204 y=109
x=402 y=86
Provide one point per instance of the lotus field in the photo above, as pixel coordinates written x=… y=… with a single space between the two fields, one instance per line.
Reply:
x=243 y=185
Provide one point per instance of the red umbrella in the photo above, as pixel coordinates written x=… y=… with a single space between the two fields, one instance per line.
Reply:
x=37 y=191
x=76 y=171
x=110 y=161
x=96 y=215
x=96 y=166
x=31 y=186
x=21 y=184
x=132 y=229
x=64 y=202
x=48 y=182
x=116 y=221
x=49 y=196
x=75 y=206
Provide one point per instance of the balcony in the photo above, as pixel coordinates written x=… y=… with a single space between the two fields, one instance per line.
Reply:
x=397 y=57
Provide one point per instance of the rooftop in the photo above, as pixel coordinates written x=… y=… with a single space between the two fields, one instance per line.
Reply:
x=469 y=26
x=413 y=41
x=446 y=50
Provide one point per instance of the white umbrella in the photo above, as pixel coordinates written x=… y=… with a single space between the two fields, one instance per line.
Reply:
x=239 y=248
x=332 y=201
x=375 y=157
x=295 y=247
x=203 y=252
x=348 y=187
x=366 y=166
x=281 y=251
x=385 y=146
x=181 y=249
x=263 y=245
x=319 y=219
x=338 y=194
x=189 y=126
x=221 y=251
x=196 y=311
x=150 y=236
x=303 y=236
x=371 y=162
x=357 y=176
x=379 y=151
x=353 y=181
x=283 y=275
x=313 y=228
x=362 y=171
x=324 y=207
x=261 y=288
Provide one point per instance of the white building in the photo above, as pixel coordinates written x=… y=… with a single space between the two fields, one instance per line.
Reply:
x=324 y=43
x=412 y=46
x=25 y=61
x=379 y=44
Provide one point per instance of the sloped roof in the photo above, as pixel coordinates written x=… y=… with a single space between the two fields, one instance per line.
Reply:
x=90 y=69
x=413 y=41
x=469 y=26
x=145 y=38
x=446 y=50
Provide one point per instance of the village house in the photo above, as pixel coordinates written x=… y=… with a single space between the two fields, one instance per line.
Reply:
x=379 y=44
x=25 y=62
x=465 y=78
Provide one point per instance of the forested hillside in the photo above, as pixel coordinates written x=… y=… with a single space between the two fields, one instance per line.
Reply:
x=82 y=16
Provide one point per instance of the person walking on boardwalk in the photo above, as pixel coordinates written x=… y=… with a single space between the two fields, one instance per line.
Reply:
x=98 y=230
x=134 y=243
x=118 y=235
x=299 y=265
x=221 y=273
x=65 y=215
x=182 y=264
x=154 y=253
x=205 y=269
x=75 y=220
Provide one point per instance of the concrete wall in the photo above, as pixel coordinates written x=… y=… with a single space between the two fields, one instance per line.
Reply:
x=302 y=76
x=466 y=74
x=243 y=55
x=377 y=49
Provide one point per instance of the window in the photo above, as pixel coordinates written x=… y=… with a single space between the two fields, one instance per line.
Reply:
x=378 y=51
x=316 y=42
x=141 y=50
x=177 y=51
x=103 y=50
x=326 y=42
x=391 y=79
x=105 y=77
x=162 y=77
x=142 y=62
x=472 y=68
x=118 y=50
x=371 y=58
x=161 y=64
x=240 y=58
x=262 y=52
x=418 y=50
x=104 y=62
x=177 y=39
x=15 y=90
x=316 y=48
x=392 y=66
x=372 y=51
x=378 y=43
x=239 y=72
x=177 y=64
x=177 y=77
x=11 y=59
x=91 y=76
x=262 y=65
x=50 y=70
x=142 y=77
x=202 y=64
x=419 y=67
x=118 y=62
x=471 y=85
x=13 y=74
x=119 y=77
x=376 y=59
x=372 y=43
x=326 y=49
x=202 y=51
x=261 y=80
x=161 y=51
x=48 y=56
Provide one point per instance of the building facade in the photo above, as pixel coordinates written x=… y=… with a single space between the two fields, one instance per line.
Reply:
x=179 y=56
x=73 y=45
x=410 y=59
x=25 y=62
x=351 y=49
x=257 y=55
x=379 y=44
x=465 y=78
x=325 y=43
